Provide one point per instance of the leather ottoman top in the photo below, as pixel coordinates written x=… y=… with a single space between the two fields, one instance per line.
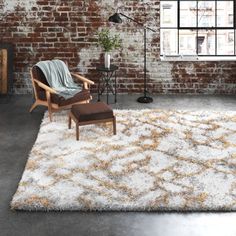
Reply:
x=92 y=111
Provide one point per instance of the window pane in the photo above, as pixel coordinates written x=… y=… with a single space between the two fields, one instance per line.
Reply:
x=206 y=13
x=169 y=14
x=225 y=13
x=225 y=42
x=187 y=42
x=188 y=13
x=169 y=42
x=206 y=42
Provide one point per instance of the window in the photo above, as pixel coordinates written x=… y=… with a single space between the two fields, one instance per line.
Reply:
x=200 y=28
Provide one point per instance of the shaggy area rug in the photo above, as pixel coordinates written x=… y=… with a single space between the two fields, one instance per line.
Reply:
x=158 y=161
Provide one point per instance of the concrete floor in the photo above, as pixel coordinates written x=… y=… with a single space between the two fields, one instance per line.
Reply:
x=18 y=131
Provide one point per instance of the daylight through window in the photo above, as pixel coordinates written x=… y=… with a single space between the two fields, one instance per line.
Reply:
x=203 y=28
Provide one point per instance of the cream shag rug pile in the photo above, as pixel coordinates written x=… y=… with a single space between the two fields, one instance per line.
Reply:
x=159 y=160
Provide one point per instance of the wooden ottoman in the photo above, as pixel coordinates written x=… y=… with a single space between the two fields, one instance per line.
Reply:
x=91 y=113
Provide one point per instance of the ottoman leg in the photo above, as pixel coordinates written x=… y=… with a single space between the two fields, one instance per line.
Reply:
x=77 y=132
x=114 y=125
x=69 y=121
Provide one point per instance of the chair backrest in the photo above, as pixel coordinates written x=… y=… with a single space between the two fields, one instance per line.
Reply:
x=39 y=75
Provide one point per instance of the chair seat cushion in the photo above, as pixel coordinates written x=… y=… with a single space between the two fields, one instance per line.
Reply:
x=92 y=111
x=61 y=101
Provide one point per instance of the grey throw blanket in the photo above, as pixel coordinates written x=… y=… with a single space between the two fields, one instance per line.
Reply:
x=59 y=78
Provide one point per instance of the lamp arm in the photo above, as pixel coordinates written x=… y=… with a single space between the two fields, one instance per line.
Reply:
x=137 y=22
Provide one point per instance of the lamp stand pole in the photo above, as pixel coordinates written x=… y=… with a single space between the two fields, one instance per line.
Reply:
x=145 y=99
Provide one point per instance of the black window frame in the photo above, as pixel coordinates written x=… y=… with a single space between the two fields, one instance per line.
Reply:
x=197 y=28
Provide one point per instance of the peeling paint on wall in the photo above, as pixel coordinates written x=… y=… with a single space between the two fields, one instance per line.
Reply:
x=10 y=6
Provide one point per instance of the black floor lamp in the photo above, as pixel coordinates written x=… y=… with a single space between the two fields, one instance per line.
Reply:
x=117 y=19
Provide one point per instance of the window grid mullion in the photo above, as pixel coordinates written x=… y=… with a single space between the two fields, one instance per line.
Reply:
x=234 y=25
x=178 y=24
x=216 y=29
x=197 y=30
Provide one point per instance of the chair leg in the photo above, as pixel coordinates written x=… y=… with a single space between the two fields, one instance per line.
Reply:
x=50 y=113
x=49 y=105
x=69 y=122
x=114 y=125
x=33 y=107
x=77 y=132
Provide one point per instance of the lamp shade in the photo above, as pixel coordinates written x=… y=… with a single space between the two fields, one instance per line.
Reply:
x=115 y=18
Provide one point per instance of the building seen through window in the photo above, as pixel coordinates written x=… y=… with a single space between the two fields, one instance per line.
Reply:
x=204 y=28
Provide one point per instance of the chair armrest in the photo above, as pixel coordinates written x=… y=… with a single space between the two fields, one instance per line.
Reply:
x=44 y=86
x=82 y=78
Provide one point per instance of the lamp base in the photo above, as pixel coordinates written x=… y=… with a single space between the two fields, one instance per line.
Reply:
x=145 y=99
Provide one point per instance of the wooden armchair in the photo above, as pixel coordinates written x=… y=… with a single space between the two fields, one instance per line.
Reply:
x=46 y=96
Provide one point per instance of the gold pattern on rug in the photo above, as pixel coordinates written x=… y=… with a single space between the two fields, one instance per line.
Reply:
x=158 y=161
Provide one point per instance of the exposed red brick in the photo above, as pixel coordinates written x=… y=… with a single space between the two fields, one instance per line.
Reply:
x=67 y=29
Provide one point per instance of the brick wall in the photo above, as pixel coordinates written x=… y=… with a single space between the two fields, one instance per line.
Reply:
x=66 y=29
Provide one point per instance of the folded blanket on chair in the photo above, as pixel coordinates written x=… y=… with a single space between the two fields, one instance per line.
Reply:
x=59 y=78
